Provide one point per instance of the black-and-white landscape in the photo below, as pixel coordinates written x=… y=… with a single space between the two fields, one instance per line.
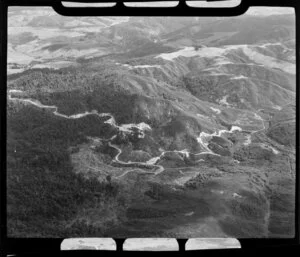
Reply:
x=150 y=126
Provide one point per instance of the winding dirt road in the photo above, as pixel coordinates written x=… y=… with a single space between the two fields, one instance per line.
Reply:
x=156 y=168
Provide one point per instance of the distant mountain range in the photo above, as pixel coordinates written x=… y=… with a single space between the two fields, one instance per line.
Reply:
x=41 y=38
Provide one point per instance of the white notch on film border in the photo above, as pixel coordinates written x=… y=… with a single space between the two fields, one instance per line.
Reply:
x=151 y=4
x=151 y=244
x=77 y=4
x=217 y=4
x=128 y=4
x=107 y=244
x=212 y=243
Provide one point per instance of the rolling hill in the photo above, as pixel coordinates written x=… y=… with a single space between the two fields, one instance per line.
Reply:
x=143 y=126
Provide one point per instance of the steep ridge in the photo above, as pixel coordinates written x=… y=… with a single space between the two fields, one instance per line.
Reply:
x=282 y=125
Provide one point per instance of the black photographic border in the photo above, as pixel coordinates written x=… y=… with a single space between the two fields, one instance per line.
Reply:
x=51 y=246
